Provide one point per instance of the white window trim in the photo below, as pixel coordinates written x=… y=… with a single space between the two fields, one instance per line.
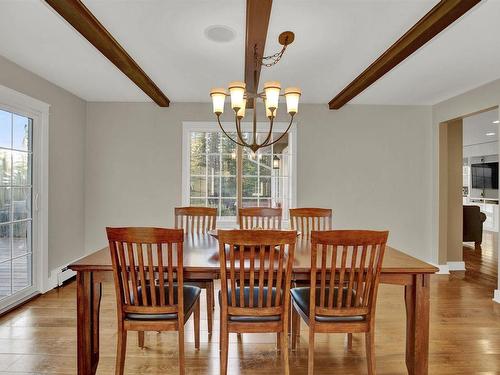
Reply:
x=210 y=126
x=25 y=105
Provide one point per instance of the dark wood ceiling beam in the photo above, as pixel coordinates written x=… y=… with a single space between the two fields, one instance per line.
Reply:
x=436 y=20
x=257 y=23
x=82 y=19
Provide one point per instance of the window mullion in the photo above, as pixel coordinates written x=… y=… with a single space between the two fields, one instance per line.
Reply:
x=11 y=225
x=206 y=179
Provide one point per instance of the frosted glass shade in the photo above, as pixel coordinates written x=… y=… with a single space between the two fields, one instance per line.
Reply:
x=237 y=92
x=292 y=95
x=272 y=91
x=218 y=98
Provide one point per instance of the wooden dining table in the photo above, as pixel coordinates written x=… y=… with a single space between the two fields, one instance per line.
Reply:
x=201 y=261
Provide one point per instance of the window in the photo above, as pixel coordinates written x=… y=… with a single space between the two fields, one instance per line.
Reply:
x=212 y=172
x=217 y=173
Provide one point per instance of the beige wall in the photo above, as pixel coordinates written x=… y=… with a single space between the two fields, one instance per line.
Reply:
x=443 y=195
x=371 y=164
x=450 y=190
x=455 y=182
x=67 y=121
x=133 y=164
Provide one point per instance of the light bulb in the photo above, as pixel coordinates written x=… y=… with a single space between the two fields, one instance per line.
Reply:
x=218 y=98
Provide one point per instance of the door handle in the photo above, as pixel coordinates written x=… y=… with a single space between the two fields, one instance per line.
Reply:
x=35 y=201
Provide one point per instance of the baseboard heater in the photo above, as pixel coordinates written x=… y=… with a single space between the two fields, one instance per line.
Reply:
x=64 y=275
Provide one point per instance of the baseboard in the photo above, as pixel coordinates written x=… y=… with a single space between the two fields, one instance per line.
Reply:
x=456 y=266
x=496 y=296
x=443 y=269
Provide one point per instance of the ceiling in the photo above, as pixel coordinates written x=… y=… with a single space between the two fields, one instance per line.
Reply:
x=335 y=41
x=476 y=127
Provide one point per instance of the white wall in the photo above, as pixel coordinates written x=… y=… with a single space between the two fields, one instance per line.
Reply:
x=67 y=120
x=371 y=164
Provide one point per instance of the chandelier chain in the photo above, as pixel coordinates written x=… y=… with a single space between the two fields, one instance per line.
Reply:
x=260 y=60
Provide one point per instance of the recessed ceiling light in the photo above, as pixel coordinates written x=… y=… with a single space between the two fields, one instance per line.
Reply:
x=496 y=122
x=490 y=134
x=220 y=34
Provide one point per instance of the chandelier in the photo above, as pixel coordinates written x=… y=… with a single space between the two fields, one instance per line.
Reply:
x=270 y=96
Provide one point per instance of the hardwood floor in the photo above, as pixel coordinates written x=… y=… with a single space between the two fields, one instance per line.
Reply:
x=40 y=338
x=482 y=264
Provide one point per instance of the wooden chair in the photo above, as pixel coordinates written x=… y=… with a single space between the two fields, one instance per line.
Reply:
x=306 y=220
x=261 y=260
x=198 y=220
x=146 y=261
x=348 y=276
x=260 y=217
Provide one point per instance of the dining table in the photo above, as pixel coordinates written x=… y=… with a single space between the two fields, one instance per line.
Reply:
x=201 y=261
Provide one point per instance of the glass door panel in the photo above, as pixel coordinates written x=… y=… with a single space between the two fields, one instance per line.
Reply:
x=16 y=267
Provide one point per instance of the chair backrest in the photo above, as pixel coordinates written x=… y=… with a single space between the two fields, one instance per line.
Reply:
x=195 y=219
x=259 y=260
x=346 y=264
x=260 y=217
x=306 y=220
x=147 y=258
x=472 y=227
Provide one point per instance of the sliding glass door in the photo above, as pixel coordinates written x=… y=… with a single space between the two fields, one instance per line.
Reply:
x=16 y=196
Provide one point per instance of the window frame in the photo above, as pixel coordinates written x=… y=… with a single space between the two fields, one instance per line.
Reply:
x=38 y=111
x=211 y=126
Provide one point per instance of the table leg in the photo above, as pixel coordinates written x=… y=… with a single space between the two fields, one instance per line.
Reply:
x=417 y=325
x=88 y=303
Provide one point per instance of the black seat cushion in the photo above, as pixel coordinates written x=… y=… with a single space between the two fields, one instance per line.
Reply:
x=246 y=294
x=301 y=298
x=191 y=294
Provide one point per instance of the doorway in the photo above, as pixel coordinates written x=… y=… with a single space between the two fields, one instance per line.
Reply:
x=468 y=195
x=481 y=196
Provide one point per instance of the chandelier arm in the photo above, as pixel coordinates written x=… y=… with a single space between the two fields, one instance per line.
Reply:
x=282 y=135
x=227 y=135
x=270 y=133
x=238 y=131
x=255 y=112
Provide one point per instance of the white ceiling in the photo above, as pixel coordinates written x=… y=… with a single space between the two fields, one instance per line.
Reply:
x=335 y=41
x=476 y=127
